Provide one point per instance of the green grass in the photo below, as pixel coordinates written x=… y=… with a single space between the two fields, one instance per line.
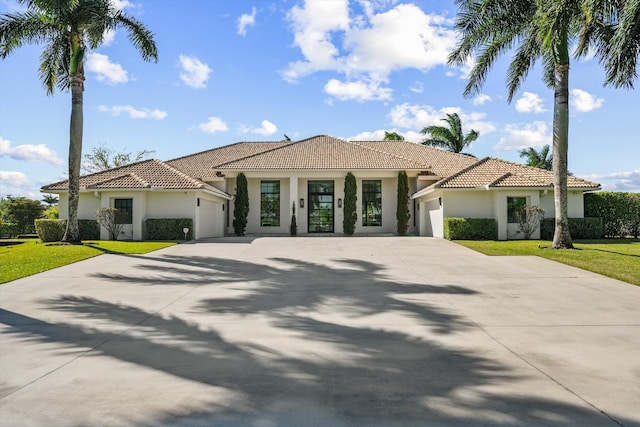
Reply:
x=616 y=258
x=21 y=258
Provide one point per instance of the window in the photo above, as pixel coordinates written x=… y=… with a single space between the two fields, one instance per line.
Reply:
x=270 y=203
x=513 y=204
x=125 y=205
x=372 y=203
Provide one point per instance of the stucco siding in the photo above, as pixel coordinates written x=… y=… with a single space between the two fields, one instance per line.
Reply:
x=468 y=204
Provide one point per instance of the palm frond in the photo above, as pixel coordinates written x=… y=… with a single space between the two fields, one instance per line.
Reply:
x=141 y=37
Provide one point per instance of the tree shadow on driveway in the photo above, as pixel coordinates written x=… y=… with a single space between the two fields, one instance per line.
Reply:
x=349 y=346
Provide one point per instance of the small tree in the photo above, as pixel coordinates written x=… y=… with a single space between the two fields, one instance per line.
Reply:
x=102 y=158
x=293 y=230
x=402 y=210
x=350 y=214
x=23 y=212
x=529 y=217
x=241 y=208
x=50 y=199
x=112 y=220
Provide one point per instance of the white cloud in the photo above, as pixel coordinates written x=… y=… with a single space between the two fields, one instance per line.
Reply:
x=213 y=125
x=105 y=70
x=618 y=181
x=266 y=128
x=121 y=4
x=134 y=113
x=418 y=116
x=357 y=91
x=245 y=21
x=530 y=103
x=481 y=99
x=14 y=179
x=29 y=152
x=369 y=51
x=378 y=135
x=194 y=72
x=108 y=37
x=417 y=87
x=534 y=134
x=583 y=101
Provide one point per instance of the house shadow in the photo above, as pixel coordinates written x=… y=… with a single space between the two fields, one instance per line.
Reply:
x=364 y=373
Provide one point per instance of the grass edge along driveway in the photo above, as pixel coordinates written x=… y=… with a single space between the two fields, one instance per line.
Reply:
x=22 y=258
x=615 y=258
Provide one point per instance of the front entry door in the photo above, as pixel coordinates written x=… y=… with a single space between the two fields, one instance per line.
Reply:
x=320 y=206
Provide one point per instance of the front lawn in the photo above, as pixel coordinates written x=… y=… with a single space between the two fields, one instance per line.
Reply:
x=616 y=258
x=21 y=258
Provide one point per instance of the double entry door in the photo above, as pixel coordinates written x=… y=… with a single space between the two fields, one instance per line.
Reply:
x=321 y=209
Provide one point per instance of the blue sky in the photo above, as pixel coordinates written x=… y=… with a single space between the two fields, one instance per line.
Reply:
x=242 y=70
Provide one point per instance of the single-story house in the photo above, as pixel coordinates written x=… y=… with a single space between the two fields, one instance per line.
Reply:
x=310 y=173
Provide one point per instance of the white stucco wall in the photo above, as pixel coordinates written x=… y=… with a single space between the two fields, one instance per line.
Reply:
x=468 y=204
x=431 y=218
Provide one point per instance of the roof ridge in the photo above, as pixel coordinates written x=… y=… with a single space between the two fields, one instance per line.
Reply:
x=221 y=147
x=117 y=177
x=500 y=178
x=193 y=180
x=460 y=172
x=389 y=154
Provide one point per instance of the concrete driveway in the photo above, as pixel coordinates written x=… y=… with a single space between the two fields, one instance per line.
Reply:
x=375 y=331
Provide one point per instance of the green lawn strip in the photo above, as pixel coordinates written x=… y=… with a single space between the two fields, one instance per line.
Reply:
x=28 y=257
x=616 y=258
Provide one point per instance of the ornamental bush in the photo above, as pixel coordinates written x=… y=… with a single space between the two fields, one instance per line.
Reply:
x=402 y=209
x=470 y=229
x=350 y=213
x=579 y=228
x=167 y=228
x=241 y=206
x=620 y=212
x=50 y=230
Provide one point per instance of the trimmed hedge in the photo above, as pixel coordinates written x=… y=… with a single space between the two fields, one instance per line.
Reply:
x=579 y=228
x=9 y=230
x=167 y=228
x=620 y=212
x=52 y=230
x=470 y=229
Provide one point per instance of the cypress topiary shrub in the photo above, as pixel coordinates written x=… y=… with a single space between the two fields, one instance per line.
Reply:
x=50 y=230
x=350 y=214
x=402 y=209
x=470 y=229
x=293 y=228
x=167 y=228
x=580 y=228
x=241 y=208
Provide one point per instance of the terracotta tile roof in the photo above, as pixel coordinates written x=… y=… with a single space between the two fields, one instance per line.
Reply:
x=201 y=165
x=497 y=173
x=325 y=152
x=145 y=174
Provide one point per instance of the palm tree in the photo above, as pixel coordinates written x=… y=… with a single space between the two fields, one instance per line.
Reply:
x=68 y=29
x=392 y=136
x=538 y=159
x=450 y=138
x=541 y=30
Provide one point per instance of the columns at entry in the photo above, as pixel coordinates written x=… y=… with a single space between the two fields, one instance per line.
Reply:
x=293 y=194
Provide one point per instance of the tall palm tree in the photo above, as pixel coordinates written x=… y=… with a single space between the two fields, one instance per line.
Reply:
x=68 y=29
x=392 y=136
x=538 y=159
x=450 y=138
x=540 y=30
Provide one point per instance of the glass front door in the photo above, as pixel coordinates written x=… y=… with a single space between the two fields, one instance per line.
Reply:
x=320 y=206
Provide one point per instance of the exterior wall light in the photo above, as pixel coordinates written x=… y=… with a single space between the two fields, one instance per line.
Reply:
x=301 y=203
x=339 y=203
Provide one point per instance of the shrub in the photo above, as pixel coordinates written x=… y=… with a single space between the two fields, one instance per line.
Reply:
x=620 y=212
x=241 y=206
x=23 y=212
x=580 y=228
x=529 y=217
x=293 y=229
x=470 y=229
x=9 y=230
x=350 y=214
x=112 y=220
x=168 y=228
x=50 y=230
x=402 y=209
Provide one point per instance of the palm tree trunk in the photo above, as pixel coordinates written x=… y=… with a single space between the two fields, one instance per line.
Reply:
x=72 y=233
x=561 y=236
